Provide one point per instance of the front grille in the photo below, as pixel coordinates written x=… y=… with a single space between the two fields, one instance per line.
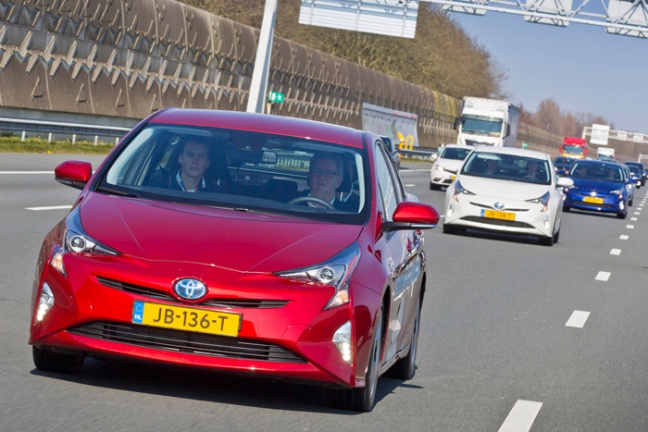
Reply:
x=497 y=222
x=219 y=302
x=186 y=342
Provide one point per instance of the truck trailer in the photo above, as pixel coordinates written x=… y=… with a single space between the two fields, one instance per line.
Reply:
x=488 y=122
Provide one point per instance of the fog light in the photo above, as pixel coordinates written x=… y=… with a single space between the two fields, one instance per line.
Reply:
x=342 y=340
x=45 y=302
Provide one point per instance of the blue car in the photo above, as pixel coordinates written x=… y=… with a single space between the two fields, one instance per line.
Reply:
x=598 y=186
x=562 y=164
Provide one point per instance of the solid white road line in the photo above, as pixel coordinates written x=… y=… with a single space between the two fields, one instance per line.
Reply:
x=624 y=237
x=615 y=252
x=521 y=417
x=577 y=319
x=603 y=276
x=62 y=207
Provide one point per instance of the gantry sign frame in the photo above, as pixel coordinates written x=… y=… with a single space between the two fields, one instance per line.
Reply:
x=398 y=18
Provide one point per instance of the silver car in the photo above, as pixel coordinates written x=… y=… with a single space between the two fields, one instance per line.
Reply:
x=509 y=190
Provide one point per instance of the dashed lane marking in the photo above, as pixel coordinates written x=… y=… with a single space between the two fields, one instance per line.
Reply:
x=62 y=207
x=521 y=417
x=577 y=319
x=603 y=276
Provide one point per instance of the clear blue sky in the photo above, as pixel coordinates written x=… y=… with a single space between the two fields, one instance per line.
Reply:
x=581 y=67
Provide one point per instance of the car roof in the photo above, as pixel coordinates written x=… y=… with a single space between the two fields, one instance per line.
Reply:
x=598 y=162
x=264 y=123
x=512 y=151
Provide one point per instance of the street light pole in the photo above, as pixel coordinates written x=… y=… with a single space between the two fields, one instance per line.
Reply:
x=259 y=84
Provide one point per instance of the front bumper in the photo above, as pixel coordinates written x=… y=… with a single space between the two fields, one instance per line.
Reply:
x=606 y=203
x=516 y=217
x=284 y=330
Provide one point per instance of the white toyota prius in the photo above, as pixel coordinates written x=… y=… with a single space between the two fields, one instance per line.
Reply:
x=509 y=190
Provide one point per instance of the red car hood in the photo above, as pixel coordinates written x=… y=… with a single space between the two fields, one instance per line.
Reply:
x=239 y=241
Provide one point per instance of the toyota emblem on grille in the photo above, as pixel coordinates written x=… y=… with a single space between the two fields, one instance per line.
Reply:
x=498 y=205
x=190 y=289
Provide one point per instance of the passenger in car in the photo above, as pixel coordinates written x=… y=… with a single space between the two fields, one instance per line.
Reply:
x=193 y=161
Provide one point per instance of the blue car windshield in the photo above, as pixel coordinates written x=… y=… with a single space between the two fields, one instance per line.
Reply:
x=611 y=172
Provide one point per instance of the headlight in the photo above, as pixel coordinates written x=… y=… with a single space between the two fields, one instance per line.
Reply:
x=458 y=190
x=75 y=240
x=617 y=192
x=335 y=272
x=544 y=200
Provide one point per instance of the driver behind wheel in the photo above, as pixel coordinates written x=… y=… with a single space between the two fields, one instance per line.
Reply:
x=324 y=177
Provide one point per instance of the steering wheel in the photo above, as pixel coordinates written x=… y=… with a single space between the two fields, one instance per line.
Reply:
x=313 y=200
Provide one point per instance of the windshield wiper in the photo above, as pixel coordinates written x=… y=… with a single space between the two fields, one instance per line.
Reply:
x=116 y=191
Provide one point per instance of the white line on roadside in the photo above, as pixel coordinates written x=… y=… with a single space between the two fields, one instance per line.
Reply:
x=577 y=319
x=634 y=219
x=410 y=185
x=521 y=417
x=62 y=207
x=615 y=252
x=637 y=213
x=624 y=237
x=630 y=226
x=603 y=276
x=26 y=172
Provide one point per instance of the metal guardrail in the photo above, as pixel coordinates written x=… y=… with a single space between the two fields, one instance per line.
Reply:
x=74 y=129
x=427 y=154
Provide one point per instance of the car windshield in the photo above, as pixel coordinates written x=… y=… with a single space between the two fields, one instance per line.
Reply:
x=597 y=171
x=507 y=167
x=455 y=153
x=241 y=170
x=634 y=169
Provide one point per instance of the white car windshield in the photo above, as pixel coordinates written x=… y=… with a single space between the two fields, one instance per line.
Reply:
x=508 y=167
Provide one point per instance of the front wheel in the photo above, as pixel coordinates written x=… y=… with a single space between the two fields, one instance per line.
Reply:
x=406 y=367
x=363 y=399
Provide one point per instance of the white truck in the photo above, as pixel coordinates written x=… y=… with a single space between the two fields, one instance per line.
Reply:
x=605 y=153
x=488 y=122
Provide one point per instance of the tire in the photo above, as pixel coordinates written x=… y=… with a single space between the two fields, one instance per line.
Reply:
x=434 y=186
x=622 y=215
x=48 y=361
x=405 y=368
x=566 y=208
x=630 y=202
x=449 y=229
x=547 y=241
x=363 y=399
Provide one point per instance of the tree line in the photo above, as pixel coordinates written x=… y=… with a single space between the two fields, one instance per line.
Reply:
x=442 y=57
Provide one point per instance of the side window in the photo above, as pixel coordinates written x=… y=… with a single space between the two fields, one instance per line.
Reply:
x=390 y=189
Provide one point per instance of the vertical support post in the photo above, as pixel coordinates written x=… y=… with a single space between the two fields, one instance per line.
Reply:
x=259 y=84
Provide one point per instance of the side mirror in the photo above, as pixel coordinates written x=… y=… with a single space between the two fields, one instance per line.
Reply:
x=565 y=182
x=457 y=122
x=73 y=173
x=412 y=215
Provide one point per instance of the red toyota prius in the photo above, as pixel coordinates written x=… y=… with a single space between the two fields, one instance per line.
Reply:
x=238 y=242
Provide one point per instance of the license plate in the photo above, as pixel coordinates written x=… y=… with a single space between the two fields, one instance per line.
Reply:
x=593 y=200
x=184 y=318
x=494 y=214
